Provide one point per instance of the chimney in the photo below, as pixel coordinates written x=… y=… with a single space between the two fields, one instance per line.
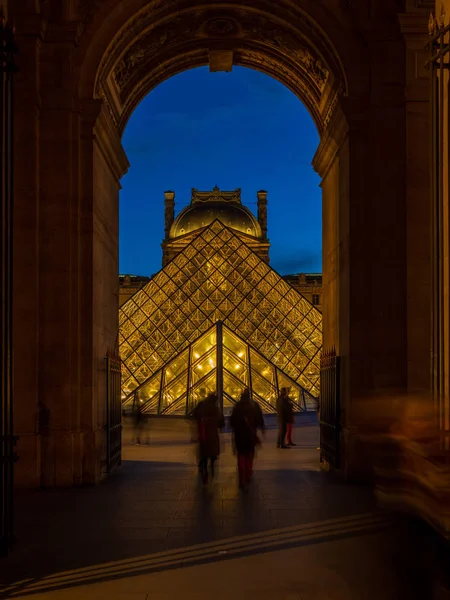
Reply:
x=169 y=211
x=262 y=212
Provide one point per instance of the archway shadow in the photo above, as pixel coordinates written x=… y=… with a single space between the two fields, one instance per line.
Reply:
x=155 y=516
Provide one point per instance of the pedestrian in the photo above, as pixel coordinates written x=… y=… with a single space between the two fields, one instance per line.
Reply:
x=139 y=423
x=245 y=421
x=283 y=416
x=209 y=420
x=289 y=422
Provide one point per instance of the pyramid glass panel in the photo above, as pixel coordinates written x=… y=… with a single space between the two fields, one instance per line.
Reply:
x=217 y=277
x=189 y=377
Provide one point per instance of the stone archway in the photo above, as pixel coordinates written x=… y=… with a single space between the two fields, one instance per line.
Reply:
x=96 y=62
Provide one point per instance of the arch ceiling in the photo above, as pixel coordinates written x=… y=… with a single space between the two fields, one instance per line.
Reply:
x=167 y=37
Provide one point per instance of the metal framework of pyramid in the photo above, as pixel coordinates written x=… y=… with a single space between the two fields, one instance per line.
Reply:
x=218 y=278
x=218 y=361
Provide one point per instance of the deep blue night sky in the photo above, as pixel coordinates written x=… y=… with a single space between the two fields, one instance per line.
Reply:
x=240 y=129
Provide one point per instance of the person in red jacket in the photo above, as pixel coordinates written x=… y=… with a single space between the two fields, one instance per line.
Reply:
x=209 y=421
x=245 y=421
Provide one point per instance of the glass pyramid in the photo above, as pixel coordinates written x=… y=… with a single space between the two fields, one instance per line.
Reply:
x=219 y=360
x=218 y=278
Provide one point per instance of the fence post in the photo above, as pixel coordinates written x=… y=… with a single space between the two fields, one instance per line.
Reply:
x=8 y=456
x=113 y=412
x=330 y=408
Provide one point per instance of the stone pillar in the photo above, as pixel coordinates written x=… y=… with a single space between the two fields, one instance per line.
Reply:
x=26 y=307
x=262 y=212
x=418 y=234
x=68 y=166
x=363 y=203
x=60 y=328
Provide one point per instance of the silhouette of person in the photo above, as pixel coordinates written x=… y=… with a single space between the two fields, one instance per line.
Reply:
x=139 y=423
x=283 y=417
x=289 y=422
x=245 y=421
x=209 y=420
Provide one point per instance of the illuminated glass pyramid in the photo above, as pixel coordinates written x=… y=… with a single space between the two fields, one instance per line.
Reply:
x=218 y=278
x=218 y=361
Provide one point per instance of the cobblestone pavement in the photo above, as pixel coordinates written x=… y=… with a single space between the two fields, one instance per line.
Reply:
x=152 y=531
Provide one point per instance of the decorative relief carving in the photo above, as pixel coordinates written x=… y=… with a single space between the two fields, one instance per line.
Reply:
x=221 y=27
x=168 y=36
x=195 y=26
x=257 y=28
x=161 y=38
x=215 y=195
x=292 y=79
x=330 y=110
x=108 y=106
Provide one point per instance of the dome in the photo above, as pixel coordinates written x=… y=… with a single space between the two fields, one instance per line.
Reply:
x=199 y=215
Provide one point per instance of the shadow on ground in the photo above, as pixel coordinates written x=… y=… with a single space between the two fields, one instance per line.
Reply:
x=153 y=515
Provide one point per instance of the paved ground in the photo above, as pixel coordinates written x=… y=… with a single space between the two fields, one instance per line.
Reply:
x=151 y=531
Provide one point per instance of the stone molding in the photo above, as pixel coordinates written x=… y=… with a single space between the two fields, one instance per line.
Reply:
x=110 y=145
x=166 y=38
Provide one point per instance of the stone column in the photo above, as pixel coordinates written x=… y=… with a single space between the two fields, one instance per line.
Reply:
x=360 y=160
x=60 y=328
x=69 y=163
x=26 y=307
x=418 y=234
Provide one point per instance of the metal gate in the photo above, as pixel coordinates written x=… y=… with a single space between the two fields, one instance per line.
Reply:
x=330 y=408
x=113 y=412
x=7 y=439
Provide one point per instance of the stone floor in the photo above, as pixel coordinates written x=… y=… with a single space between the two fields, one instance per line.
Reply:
x=151 y=531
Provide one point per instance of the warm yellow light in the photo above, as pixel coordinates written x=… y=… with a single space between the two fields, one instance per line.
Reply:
x=241 y=354
x=199 y=367
x=236 y=366
x=211 y=362
x=196 y=355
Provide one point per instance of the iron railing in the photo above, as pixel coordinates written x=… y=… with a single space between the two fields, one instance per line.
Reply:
x=8 y=456
x=113 y=412
x=438 y=64
x=330 y=408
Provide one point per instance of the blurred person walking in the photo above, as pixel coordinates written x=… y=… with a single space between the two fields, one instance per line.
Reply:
x=289 y=422
x=245 y=421
x=139 y=424
x=209 y=420
x=283 y=417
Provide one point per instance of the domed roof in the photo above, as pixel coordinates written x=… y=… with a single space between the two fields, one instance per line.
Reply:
x=206 y=207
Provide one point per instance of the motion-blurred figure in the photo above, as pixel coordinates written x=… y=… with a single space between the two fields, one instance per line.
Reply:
x=289 y=422
x=209 y=420
x=245 y=421
x=283 y=417
x=139 y=424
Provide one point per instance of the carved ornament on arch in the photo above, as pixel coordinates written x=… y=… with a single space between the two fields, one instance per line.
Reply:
x=159 y=11
x=195 y=27
x=291 y=78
